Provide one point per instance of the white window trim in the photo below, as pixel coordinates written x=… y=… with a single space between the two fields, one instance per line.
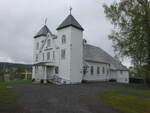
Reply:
x=63 y=39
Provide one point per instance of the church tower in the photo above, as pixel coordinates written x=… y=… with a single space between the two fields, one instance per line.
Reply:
x=70 y=40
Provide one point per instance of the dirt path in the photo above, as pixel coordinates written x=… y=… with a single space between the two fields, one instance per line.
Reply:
x=64 y=98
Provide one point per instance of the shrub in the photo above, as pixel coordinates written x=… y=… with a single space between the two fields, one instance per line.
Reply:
x=112 y=80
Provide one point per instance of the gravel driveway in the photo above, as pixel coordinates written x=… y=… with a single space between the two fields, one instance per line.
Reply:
x=37 y=98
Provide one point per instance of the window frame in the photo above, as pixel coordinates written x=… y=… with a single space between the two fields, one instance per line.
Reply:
x=48 y=56
x=103 y=70
x=53 y=55
x=63 y=54
x=92 y=70
x=63 y=39
x=49 y=43
x=98 y=70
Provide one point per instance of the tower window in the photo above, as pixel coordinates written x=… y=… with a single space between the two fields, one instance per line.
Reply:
x=63 y=39
x=48 y=43
x=92 y=70
x=48 y=55
x=63 y=53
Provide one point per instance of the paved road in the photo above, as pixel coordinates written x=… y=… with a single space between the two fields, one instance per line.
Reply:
x=34 y=98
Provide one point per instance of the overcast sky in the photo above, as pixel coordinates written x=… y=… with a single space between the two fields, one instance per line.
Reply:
x=20 y=20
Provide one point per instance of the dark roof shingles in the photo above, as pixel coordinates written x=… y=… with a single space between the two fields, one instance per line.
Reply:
x=94 y=53
x=70 y=21
x=43 y=32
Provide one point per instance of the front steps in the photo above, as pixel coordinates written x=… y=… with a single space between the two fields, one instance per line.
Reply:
x=54 y=79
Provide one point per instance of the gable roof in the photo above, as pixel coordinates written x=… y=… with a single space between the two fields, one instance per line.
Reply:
x=43 y=32
x=96 y=54
x=70 y=21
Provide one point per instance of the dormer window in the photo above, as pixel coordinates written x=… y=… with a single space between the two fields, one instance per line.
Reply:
x=48 y=42
x=63 y=39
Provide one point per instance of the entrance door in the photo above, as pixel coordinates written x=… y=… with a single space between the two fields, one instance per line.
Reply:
x=50 y=72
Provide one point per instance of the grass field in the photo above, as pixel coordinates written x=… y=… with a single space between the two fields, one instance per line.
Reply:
x=16 y=82
x=128 y=101
x=8 y=95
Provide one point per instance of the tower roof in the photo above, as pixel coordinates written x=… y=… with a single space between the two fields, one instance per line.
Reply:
x=43 y=32
x=70 y=21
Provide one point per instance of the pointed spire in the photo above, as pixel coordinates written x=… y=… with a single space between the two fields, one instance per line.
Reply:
x=43 y=32
x=70 y=21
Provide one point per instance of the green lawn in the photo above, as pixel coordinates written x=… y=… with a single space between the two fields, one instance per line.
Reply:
x=16 y=82
x=8 y=95
x=7 y=98
x=128 y=101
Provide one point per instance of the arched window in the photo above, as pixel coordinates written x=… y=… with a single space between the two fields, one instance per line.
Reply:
x=63 y=39
x=48 y=42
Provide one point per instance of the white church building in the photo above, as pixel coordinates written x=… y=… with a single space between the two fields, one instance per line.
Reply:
x=66 y=58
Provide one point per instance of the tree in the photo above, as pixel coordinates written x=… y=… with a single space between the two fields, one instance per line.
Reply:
x=131 y=34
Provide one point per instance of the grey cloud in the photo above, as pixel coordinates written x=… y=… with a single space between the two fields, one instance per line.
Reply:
x=21 y=19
